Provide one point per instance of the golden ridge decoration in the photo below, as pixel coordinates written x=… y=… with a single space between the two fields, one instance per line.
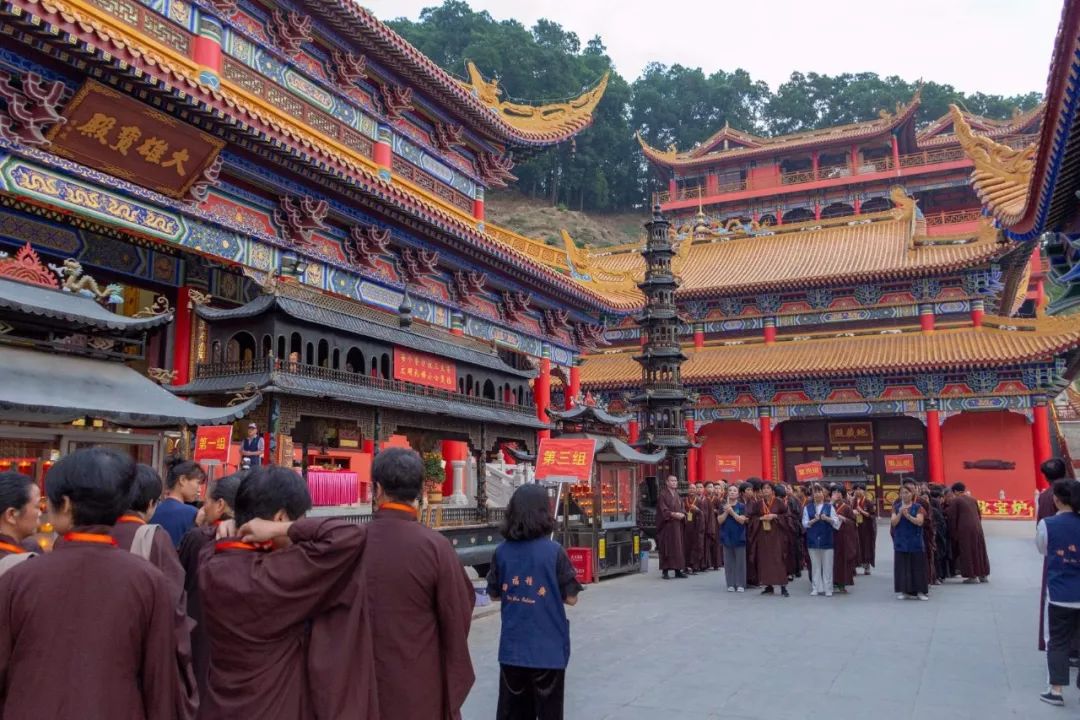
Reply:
x=250 y=391
x=198 y=299
x=159 y=307
x=161 y=376
x=1002 y=175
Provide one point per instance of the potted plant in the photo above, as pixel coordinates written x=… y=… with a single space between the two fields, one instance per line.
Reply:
x=433 y=477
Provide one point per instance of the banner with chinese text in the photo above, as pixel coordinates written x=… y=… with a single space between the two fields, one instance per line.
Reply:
x=424 y=369
x=212 y=443
x=897 y=464
x=1006 y=510
x=805 y=472
x=119 y=135
x=565 y=459
x=850 y=432
x=728 y=463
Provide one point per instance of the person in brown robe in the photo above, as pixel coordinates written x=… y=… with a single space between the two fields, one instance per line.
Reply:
x=420 y=598
x=929 y=531
x=749 y=491
x=218 y=507
x=692 y=529
x=767 y=518
x=20 y=511
x=866 y=525
x=1052 y=470
x=719 y=505
x=845 y=543
x=273 y=594
x=709 y=544
x=966 y=536
x=794 y=528
x=61 y=655
x=155 y=545
x=669 y=529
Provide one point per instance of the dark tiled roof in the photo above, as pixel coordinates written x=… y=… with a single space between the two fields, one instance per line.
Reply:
x=78 y=310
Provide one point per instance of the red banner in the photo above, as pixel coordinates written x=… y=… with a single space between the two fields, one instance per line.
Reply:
x=212 y=443
x=424 y=369
x=897 y=464
x=808 y=471
x=560 y=458
x=1006 y=510
x=728 y=463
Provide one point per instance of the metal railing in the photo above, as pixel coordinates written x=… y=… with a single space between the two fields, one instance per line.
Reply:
x=952 y=217
x=263 y=365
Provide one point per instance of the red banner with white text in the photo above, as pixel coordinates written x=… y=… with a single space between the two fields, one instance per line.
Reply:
x=424 y=369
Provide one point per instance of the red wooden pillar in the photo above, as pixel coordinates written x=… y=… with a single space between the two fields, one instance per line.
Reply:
x=926 y=318
x=815 y=163
x=778 y=445
x=542 y=391
x=575 y=385
x=817 y=210
x=478 y=205
x=632 y=431
x=895 y=152
x=206 y=49
x=779 y=216
x=452 y=450
x=854 y=159
x=383 y=151
x=182 y=336
x=935 y=459
x=699 y=336
x=769 y=330
x=977 y=310
x=857 y=204
x=766 y=444
x=712 y=185
x=1040 y=438
x=692 y=456
x=672 y=188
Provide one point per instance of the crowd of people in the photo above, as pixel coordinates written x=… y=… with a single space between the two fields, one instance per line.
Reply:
x=767 y=534
x=150 y=609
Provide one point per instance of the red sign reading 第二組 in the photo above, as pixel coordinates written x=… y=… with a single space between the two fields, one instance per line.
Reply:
x=728 y=463
x=806 y=472
x=565 y=458
x=424 y=369
x=902 y=463
x=212 y=443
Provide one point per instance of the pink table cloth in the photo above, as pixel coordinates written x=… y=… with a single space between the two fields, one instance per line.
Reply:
x=333 y=488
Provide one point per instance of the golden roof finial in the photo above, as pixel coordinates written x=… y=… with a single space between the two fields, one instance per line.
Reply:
x=1002 y=175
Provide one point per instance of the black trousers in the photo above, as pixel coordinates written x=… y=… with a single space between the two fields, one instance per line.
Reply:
x=909 y=573
x=530 y=693
x=1064 y=628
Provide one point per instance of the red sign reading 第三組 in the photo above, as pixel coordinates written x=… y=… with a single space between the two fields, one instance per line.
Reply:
x=564 y=458
x=212 y=443
x=806 y=472
x=424 y=369
x=728 y=463
x=903 y=463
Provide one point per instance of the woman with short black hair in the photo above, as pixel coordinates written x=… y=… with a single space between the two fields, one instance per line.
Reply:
x=533 y=577
x=20 y=510
x=176 y=513
x=909 y=568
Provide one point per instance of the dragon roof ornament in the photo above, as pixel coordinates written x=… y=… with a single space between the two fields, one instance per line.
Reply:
x=1002 y=175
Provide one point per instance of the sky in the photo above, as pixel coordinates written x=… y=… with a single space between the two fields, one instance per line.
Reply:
x=993 y=46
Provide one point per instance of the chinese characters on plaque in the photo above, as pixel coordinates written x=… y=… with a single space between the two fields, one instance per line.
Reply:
x=212 y=443
x=424 y=369
x=805 y=472
x=849 y=432
x=565 y=458
x=898 y=464
x=119 y=135
x=728 y=463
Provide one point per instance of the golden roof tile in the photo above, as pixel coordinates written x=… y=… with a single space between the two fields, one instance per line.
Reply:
x=1002 y=341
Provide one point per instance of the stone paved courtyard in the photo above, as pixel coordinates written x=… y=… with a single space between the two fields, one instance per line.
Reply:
x=682 y=650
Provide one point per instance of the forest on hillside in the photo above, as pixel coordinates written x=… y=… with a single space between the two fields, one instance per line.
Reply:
x=603 y=169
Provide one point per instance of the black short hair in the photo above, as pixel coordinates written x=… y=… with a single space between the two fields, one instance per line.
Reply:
x=1054 y=469
x=755 y=482
x=959 y=487
x=14 y=490
x=179 y=466
x=146 y=489
x=225 y=488
x=96 y=480
x=400 y=473
x=267 y=489
x=744 y=486
x=1068 y=492
x=528 y=516
x=780 y=490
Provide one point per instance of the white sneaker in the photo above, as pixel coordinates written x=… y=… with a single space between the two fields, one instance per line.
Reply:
x=813 y=593
x=740 y=589
x=923 y=597
x=900 y=596
x=731 y=589
x=828 y=594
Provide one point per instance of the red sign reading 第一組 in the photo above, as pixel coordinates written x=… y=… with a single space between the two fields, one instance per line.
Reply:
x=806 y=472
x=212 y=443
x=561 y=459
x=424 y=369
x=897 y=464
x=728 y=463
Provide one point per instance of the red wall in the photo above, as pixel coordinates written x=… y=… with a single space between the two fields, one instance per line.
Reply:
x=730 y=437
x=996 y=435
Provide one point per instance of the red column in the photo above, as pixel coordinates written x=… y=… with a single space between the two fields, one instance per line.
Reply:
x=977 y=310
x=933 y=447
x=779 y=216
x=632 y=432
x=769 y=330
x=508 y=395
x=692 y=456
x=452 y=450
x=815 y=163
x=817 y=210
x=854 y=159
x=766 y=446
x=383 y=152
x=895 y=153
x=858 y=206
x=206 y=49
x=575 y=385
x=542 y=391
x=672 y=188
x=777 y=443
x=1040 y=438
x=699 y=337
x=478 y=206
x=712 y=185
x=182 y=336
x=926 y=318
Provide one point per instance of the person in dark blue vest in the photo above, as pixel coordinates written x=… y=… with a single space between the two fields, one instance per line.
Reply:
x=733 y=522
x=910 y=576
x=821 y=522
x=1058 y=538
x=533 y=577
x=252 y=448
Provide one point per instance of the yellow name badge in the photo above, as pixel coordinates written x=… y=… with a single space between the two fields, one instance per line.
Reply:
x=637 y=545
x=601 y=549
x=766 y=525
x=689 y=517
x=858 y=519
